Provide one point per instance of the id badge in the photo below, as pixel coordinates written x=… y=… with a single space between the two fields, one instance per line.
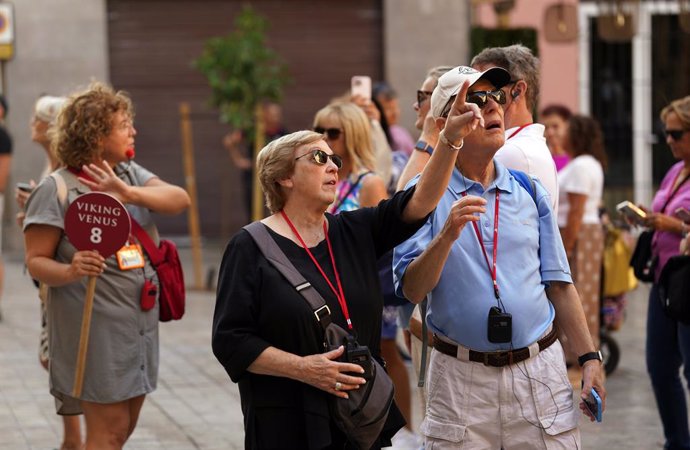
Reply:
x=130 y=257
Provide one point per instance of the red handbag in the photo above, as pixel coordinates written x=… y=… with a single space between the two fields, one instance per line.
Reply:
x=166 y=261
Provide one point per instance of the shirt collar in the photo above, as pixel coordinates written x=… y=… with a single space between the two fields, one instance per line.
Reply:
x=459 y=183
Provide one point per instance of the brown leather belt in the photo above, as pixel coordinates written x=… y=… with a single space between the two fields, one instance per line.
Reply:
x=496 y=359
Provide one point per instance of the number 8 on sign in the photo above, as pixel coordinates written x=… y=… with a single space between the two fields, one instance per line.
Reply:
x=96 y=235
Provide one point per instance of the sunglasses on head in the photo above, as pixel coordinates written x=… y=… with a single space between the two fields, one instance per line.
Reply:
x=331 y=133
x=676 y=135
x=320 y=158
x=422 y=96
x=479 y=98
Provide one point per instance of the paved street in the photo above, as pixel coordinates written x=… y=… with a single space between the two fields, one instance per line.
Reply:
x=197 y=407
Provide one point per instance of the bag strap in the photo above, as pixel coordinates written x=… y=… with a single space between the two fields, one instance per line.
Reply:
x=145 y=240
x=670 y=197
x=269 y=248
x=526 y=181
x=425 y=342
x=61 y=187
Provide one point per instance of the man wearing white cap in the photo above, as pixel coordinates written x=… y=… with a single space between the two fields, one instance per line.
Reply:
x=497 y=377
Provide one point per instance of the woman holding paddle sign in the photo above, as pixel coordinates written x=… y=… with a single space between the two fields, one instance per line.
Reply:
x=94 y=140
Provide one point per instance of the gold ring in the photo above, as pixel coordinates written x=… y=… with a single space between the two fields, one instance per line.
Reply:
x=338 y=385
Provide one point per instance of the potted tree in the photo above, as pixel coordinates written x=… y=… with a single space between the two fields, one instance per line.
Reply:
x=242 y=72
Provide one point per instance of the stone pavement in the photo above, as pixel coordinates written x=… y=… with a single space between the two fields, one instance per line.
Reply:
x=197 y=407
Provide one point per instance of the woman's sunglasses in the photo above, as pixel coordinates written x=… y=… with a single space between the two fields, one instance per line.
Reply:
x=422 y=96
x=676 y=135
x=331 y=133
x=479 y=98
x=320 y=157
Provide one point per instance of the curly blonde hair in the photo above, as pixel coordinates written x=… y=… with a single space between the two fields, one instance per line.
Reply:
x=85 y=120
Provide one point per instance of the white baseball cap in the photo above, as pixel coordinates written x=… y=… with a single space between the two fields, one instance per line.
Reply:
x=450 y=83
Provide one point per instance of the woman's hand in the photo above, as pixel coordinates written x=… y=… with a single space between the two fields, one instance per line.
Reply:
x=86 y=263
x=663 y=222
x=367 y=106
x=22 y=196
x=323 y=372
x=103 y=179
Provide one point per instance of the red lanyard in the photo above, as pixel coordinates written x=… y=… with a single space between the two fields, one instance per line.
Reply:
x=492 y=268
x=518 y=130
x=339 y=295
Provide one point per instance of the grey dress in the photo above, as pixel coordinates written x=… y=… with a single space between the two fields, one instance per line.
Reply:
x=122 y=358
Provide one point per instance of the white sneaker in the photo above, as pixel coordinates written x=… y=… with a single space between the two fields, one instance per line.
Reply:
x=407 y=440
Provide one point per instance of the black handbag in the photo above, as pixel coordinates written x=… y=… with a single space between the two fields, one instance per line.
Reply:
x=360 y=417
x=674 y=288
x=643 y=261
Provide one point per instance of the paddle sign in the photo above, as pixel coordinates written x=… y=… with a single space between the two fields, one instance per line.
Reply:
x=94 y=221
x=97 y=221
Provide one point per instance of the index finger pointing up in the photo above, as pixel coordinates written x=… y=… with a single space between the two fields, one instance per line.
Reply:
x=462 y=95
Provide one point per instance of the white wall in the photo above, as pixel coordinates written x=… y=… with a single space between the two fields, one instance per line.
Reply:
x=60 y=45
x=418 y=35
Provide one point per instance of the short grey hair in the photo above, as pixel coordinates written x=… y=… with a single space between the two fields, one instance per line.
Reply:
x=520 y=62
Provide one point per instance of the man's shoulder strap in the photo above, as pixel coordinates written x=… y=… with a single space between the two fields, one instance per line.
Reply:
x=526 y=181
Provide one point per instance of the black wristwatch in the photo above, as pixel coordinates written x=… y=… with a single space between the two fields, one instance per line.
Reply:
x=422 y=146
x=581 y=360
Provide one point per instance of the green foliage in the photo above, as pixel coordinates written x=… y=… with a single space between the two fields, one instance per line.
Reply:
x=242 y=71
x=482 y=38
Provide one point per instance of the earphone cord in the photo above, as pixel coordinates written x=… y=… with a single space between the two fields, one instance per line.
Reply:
x=522 y=411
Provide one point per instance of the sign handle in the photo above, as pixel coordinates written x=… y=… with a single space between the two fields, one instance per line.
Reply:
x=84 y=337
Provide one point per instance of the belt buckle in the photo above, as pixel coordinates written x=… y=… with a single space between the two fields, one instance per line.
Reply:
x=498 y=358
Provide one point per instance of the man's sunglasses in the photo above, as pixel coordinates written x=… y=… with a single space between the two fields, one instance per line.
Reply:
x=422 y=96
x=676 y=135
x=331 y=133
x=479 y=98
x=320 y=157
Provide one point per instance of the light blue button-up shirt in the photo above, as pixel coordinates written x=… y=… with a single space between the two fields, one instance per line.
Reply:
x=530 y=255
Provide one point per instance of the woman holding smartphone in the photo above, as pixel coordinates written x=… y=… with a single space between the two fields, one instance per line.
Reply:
x=668 y=341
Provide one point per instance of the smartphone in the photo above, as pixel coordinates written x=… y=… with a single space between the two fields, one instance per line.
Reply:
x=26 y=187
x=593 y=404
x=361 y=85
x=631 y=211
x=683 y=214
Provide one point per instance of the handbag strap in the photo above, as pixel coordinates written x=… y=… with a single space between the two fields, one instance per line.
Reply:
x=670 y=197
x=145 y=240
x=269 y=248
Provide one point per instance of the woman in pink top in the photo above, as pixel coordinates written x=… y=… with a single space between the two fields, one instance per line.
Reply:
x=555 y=119
x=668 y=341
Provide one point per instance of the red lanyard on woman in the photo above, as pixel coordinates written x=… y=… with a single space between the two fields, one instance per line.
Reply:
x=492 y=268
x=339 y=293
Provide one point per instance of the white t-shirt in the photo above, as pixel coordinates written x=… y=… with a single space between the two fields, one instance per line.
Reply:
x=527 y=151
x=582 y=175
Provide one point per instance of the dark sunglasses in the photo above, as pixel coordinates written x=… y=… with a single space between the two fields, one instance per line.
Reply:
x=422 y=96
x=479 y=98
x=676 y=135
x=320 y=157
x=331 y=133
